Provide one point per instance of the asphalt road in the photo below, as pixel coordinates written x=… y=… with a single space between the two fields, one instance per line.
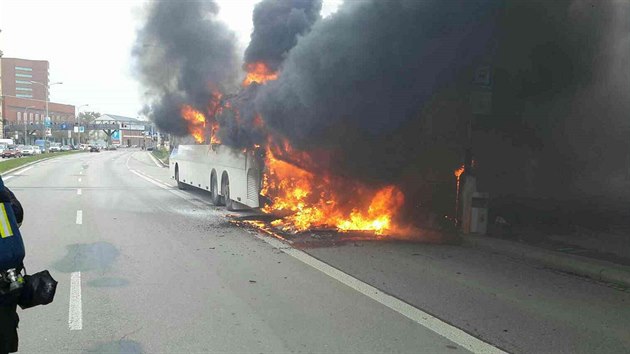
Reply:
x=144 y=268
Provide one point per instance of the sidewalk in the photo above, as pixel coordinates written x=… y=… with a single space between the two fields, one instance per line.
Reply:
x=584 y=256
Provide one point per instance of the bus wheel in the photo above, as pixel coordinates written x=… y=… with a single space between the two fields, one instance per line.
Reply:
x=229 y=204
x=180 y=185
x=214 y=192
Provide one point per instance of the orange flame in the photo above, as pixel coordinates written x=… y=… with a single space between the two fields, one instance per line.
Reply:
x=312 y=201
x=258 y=72
x=458 y=172
x=196 y=122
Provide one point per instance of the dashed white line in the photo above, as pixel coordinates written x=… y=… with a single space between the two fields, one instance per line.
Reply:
x=80 y=172
x=75 y=313
x=79 y=179
x=79 y=217
x=79 y=191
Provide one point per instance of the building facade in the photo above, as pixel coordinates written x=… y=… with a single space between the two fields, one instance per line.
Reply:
x=23 y=78
x=24 y=91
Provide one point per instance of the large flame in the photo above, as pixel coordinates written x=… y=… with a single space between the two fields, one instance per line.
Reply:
x=201 y=125
x=258 y=72
x=314 y=201
x=196 y=122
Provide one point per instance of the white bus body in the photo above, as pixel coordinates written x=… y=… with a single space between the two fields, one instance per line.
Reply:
x=232 y=177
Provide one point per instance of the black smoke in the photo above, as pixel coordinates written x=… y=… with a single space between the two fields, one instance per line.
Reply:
x=277 y=25
x=182 y=55
x=358 y=83
x=387 y=87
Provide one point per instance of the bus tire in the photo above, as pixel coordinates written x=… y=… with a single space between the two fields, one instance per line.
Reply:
x=229 y=204
x=214 y=191
x=180 y=185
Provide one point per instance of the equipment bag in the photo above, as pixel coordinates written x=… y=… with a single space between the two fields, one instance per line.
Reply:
x=39 y=289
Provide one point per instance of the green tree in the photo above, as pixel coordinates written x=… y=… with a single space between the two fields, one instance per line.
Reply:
x=88 y=117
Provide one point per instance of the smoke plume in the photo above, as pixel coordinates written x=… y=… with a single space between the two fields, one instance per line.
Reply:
x=277 y=25
x=182 y=55
x=387 y=87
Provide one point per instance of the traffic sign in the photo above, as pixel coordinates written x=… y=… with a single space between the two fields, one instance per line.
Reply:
x=81 y=129
x=47 y=122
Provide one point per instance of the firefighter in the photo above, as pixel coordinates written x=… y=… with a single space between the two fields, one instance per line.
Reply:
x=8 y=303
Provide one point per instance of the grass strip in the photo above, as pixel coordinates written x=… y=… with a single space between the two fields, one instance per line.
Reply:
x=161 y=154
x=11 y=163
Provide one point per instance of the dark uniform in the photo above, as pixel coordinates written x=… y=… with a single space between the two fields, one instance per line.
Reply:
x=8 y=305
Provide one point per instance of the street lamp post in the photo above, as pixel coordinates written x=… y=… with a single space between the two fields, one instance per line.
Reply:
x=46 y=96
x=79 y=120
x=24 y=118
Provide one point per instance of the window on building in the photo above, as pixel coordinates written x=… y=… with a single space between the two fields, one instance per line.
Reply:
x=19 y=116
x=23 y=68
x=23 y=89
x=20 y=95
x=24 y=75
x=23 y=82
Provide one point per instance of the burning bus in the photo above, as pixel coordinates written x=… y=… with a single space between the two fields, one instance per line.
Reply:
x=232 y=177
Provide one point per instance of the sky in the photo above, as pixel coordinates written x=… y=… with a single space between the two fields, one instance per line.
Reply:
x=88 y=44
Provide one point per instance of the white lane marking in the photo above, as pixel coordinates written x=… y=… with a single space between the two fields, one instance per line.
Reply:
x=422 y=318
x=195 y=202
x=75 y=313
x=79 y=179
x=17 y=173
x=23 y=170
x=155 y=161
x=79 y=217
x=80 y=172
x=148 y=179
x=79 y=191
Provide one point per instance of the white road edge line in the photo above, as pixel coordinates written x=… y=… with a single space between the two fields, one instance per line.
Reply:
x=155 y=161
x=79 y=217
x=422 y=318
x=17 y=173
x=79 y=191
x=23 y=170
x=194 y=202
x=75 y=313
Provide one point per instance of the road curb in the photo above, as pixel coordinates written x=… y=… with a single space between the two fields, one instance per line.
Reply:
x=29 y=164
x=159 y=160
x=591 y=268
x=25 y=165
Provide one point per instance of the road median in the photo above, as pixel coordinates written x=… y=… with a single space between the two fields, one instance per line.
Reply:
x=161 y=155
x=12 y=164
x=592 y=268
